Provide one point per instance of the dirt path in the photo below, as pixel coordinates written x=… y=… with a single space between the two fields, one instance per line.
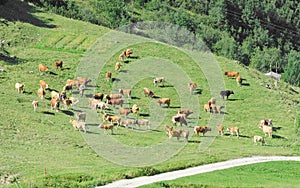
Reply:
x=144 y=180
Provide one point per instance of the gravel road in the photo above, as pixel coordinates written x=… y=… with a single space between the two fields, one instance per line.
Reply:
x=144 y=180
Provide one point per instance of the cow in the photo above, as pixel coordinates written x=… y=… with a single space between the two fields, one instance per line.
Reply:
x=43 y=84
x=125 y=91
x=148 y=92
x=231 y=74
x=159 y=80
x=58 y=64
x=70 y=82
x=68 y=87
x=135 y=109
x=74 y=100
x=220 y=130
x=239 y=80
x=175 y=133
x=267 y=130
x=98 y=96
x=113 y=96
x=80 y=116
x=42 y=68
x=234 y=130
x=127 y=122
x=108 y=76
x=81 y=82
x=20 y=87
x=106 y=127
x=192 y=87
x=186 y=112
x=215 y=108
x=268 y=122
x=55 y=95
x=35 y=105
x=211 y=101
x=112 y=119
x=117 y=66
x=115 y=102
x=201 y=129
x=166 y=101
x=67 y=102
x=41 y=93
x=125 y=111
x=179 y=118
x=78 y=125
x=226 y=94
x=122 y=56
x=127 y=52
x=54 y=103
x=101 y=105
x=259 y=139
x=62 y=95
x=143 y=122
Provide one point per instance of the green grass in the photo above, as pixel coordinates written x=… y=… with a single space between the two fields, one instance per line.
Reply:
x=31 y=142
x=269 y=174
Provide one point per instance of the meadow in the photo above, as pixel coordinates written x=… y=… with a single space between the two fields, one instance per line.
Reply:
x=43 y=150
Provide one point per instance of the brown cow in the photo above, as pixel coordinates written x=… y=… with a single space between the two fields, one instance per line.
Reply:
x=54 y=103
x=41 y=93
x=125 y=91
x=115 y=102
x=78 y=125
x=108 y=76
x=125 y=111
x=117 y=66
x=106 y=127
x=239 y=80
x=192 y=87
x=44 y=84
x=148 y=92
x=186 y=112
x=201 y=129
x=166 y=101
x=58 y=64
x=234 y=130
x=175 y=133
x=231 y=74
x=179 y=118
x=42 y=68
x=267 y=130
x=35 y=105
x=220 y=130
x=259 y=139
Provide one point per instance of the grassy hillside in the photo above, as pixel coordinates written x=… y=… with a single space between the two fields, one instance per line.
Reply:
x=45 y=142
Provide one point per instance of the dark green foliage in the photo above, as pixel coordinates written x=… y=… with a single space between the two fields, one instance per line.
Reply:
x=292 y=68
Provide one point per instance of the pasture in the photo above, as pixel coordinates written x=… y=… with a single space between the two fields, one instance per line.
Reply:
x=42 y=149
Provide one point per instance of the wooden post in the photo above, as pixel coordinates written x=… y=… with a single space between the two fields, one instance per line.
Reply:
x=45 y=172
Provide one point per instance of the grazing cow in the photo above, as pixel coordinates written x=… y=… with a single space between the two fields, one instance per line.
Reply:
x=122 y=56
x=98 y=96
x=113 y=96
x=93 y=102
x=135 y=109
x=101 y=105
x=125 y=91
x=234 y=130
x=74 y=100
x=63 y=95
x=44 y=84
x=159 y=80
x=175 y=133
x=58 y=64
x=81 y=82
x=192 y=87
x=226 y=93
x=127 y=122
x=80 y=116
x=148 y=92
x=35 y=105
x=231 y=74
x=166 y=101
x=108 y=76
x=168 y=128
x=259 y=139
x=106 y=127
x=220 y=130
x=115 y=102
x=117 y=66
x=179 y=118
x=41 y=93
x=239 y=80
x=215 y=108
x=112 y=119
x=54 y=103
x=186 y=112
x=201 y=129
x=186 y=135
x=127 y=52
x=55 y=95
x=68 y=87
x=267 y=130
x=268 y=122
x=78 y=125
x=207 y=108
x=42 y=68
x=125 y=111
x=20 y=87
x=67 y=102
x=143 y=122
x=71 y=82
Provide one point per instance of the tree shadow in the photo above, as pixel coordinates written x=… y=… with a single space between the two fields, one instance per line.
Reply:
x=15 y=10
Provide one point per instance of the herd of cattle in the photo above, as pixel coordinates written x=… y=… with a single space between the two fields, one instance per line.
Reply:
x=106 y=102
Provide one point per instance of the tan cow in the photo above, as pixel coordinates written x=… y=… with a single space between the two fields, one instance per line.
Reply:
x=35 y=105
x=117 y=66
x=108 y=76
x=186 y=112
x=220 y=130
x=192 y=87
x=234 y=130
x=125 y=92
x=41 y=93
x=159 y=80
x=54 y=103
x=107 y=127
x=179 y=118
x=148 y=92
x=42 y=68
x=267 y=130
x=259 y=139
x=166 y=101
x=78 y=125
x=43 y=84
x=20 y=87
x=201 y=129
x=175 y=133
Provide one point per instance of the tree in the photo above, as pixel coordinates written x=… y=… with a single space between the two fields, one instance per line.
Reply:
x=291 y=71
